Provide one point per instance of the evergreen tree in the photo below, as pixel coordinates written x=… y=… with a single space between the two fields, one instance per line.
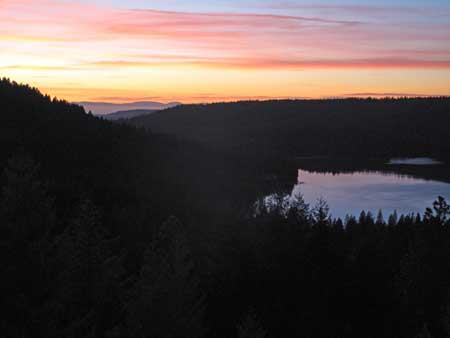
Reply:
x=393 y=219
x=440 y=211
x=26 y=219
x=321 y=212
x=424 y=332
x=380 y=219
x=369 y=218
x=166 y=300
x=89 y=265
x=250 y=327
x=26 y=207
x=299 y=209
x=362 y=217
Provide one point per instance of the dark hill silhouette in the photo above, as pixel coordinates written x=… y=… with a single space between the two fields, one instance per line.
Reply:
x=116 y=165
x=127 y=114
x=339 y=127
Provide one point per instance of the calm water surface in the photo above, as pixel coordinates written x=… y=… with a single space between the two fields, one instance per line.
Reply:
x=414 y=161
x=352 y=192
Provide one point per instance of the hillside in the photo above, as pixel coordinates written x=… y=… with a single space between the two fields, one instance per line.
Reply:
x=72 y=147
x=127 y=114
x=117 y=166
x=341 y=127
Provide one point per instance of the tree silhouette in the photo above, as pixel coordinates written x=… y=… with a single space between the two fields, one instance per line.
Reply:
x=166 y=300
x=320 y=211
x=440 y=211
x=250 y=327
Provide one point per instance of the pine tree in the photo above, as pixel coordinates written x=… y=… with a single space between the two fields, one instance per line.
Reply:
x=424 y=333
x=89 y=266
x=362 y=217
x=26 y=206
x=321 y=212
x=369 y=218
x=298 y=209
x=26 y=219
x=418 y=219
x=250 y=327
x=380 y=219
x=165 y=300
x=440 y=211
x=393 y=219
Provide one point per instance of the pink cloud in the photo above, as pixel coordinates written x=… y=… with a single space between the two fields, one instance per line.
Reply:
x=256 y=63
x=134 y=38
x=404 y=10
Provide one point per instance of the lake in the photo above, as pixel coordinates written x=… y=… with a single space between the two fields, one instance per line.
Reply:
x=394 y=185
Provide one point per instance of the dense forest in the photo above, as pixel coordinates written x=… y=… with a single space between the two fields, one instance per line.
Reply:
x=109 y=230
x=290 y=128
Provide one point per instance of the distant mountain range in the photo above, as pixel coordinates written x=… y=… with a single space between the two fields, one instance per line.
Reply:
x=128 y=114
x=103 y=108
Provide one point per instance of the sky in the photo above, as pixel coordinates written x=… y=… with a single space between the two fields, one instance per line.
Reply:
x=222 y=50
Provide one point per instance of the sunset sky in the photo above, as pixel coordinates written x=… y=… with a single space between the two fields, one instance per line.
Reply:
x=198 y=51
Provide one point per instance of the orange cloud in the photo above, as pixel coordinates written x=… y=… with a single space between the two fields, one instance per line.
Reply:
x=255 y=40
x=84 y=43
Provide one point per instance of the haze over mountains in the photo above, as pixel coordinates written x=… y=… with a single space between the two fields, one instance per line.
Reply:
x=103 y=108
x=127 y=114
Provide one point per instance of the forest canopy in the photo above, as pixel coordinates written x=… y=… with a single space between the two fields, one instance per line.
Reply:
x=386 y=127
x=108 y=230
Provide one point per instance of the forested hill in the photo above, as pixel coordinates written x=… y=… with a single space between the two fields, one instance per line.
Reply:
x=127 y=114
x=79 y=152
x=117 y=166
x=337 y=127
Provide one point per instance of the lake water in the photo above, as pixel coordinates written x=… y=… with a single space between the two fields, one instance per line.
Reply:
x=414 y=161
x=371 y=190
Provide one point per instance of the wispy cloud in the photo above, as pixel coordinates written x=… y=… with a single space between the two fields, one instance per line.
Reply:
x=229 y=39
x=126 y=98
x=72 y=37
x=362 y=9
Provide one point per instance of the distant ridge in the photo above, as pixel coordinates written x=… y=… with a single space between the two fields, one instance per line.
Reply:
x=384 y=128
x=128 y=114
x=103 y=108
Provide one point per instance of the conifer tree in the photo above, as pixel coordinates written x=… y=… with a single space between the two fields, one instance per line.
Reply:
x=321 y=212
x=90 y=266
x=165 y=300
x=440 y=211
x=250 y=327
x=424 y=332
x=393 y=219
x=26 y=206
x=380 y=219
x=26 y=219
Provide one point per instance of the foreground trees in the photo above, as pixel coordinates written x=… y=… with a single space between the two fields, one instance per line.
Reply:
x=67 y=279
x=295 y=273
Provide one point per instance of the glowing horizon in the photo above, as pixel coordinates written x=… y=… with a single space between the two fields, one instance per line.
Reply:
x=185 y=51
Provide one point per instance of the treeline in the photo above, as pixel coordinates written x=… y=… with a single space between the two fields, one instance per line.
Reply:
x=334 y=127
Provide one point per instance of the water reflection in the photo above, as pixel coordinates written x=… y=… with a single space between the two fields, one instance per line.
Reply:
x=350 y=193
x=414 y=161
